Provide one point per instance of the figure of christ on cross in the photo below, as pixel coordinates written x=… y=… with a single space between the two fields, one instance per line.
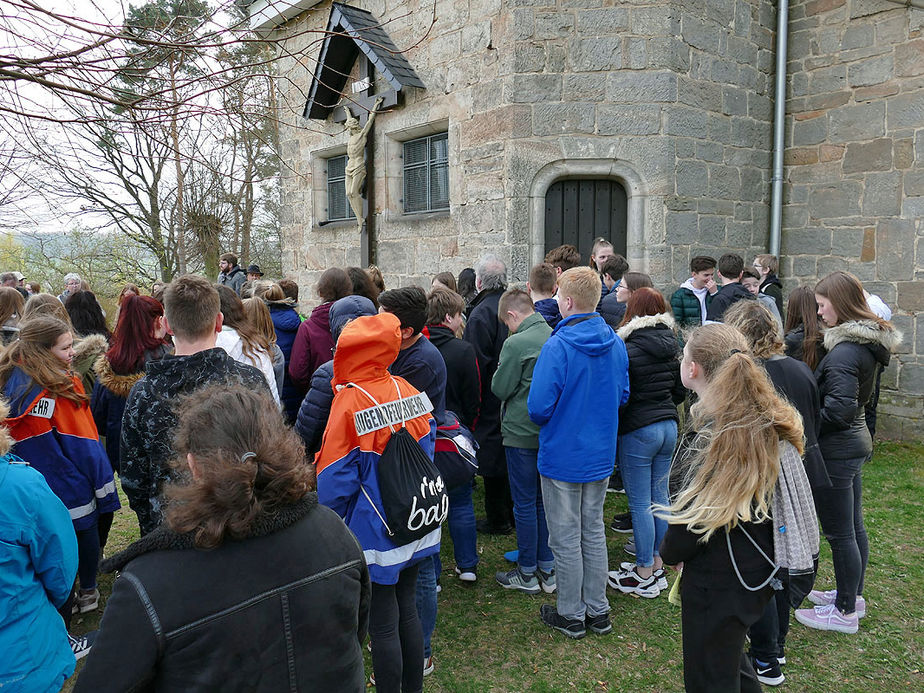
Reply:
x=356 y=163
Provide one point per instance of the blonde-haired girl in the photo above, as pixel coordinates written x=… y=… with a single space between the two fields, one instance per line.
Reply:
x=51 y=422
x=719 y=521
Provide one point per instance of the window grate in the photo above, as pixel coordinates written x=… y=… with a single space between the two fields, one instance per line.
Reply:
x=426 y=174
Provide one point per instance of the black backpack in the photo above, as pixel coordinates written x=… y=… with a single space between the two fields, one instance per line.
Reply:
x=411 y=488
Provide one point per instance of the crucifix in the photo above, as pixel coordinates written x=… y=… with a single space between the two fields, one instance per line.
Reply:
x=360 y=153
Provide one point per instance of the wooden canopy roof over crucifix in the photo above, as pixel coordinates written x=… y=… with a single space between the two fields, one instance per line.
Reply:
x=351 y=31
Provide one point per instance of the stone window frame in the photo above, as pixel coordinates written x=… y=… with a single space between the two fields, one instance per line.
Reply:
x=394 y=168
x=620 y=171
x=319 y=199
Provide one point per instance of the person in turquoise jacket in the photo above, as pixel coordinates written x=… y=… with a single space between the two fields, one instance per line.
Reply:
x=38 y=563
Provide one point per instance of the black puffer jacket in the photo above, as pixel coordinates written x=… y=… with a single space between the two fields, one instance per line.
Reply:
x=846 y=377
x=795 y=340
x=283 y=610
x=654 y=372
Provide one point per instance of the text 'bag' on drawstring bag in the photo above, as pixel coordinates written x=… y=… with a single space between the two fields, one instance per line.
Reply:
x=411 y=488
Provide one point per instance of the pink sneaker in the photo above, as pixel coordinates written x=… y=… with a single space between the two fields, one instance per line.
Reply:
x=827 y=617
x=824 y=598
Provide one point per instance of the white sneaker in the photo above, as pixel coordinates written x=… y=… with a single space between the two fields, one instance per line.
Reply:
x=467 y=574
x=828 y=617
x=828 y=597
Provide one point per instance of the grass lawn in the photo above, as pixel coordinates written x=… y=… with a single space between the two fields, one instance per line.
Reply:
x=489 y=639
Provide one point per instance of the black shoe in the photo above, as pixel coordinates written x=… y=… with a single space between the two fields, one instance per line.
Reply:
x=768 y=674
x=485 y=527
x=571 y=627
x=599 y=624
x=615 y=485
x=622 y=523
x=82 y=644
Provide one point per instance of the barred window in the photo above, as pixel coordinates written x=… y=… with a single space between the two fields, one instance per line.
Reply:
x=426 y=174
x=338 y=207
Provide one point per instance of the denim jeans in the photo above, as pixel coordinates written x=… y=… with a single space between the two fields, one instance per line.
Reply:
x=532 y=530
x=88 y=556
x=644 y=461
x=577 y=537
x=462 y=527
x=426 y=599
x=840 y=511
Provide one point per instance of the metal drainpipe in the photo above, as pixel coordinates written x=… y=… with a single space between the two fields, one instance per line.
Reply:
x=779 y=128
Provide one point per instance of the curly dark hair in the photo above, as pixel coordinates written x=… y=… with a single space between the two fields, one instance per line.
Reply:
x=247 y=464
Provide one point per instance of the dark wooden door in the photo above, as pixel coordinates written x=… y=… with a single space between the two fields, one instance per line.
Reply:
x=579 y=210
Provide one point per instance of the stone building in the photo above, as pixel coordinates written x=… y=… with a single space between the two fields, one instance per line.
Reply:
x=648 y=122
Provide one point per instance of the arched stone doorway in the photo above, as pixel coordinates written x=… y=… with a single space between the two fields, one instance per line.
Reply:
x=580 y=210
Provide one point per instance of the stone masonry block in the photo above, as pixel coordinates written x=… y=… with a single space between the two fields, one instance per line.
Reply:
x=596 y=54
x=533 y=88
x=895 y=249
x=906 y=111
x=911 y=378
x=553 y=25
x=882 y=195
x=871 y=71
x=560 y=118
x=724 y=182
x=812 y=131
x=700 y=34
x=862 y=122
x=868 y=156
x=681 y=228
x=828 y=79
x=914 y=183
x=858 y=36
x=626 y=119
x=909 y=59
x=583 y=87
x=692 y=178
x=711 y=230
x=655 y=20
x=835 y=201
x=636 y=50
x=734 y=101
x=644 y=87
x=602 y=21
x=689 y=122
x=668 y=52
x=496 y=125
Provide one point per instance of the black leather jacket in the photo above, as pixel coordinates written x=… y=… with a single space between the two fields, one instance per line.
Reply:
x=283 y=610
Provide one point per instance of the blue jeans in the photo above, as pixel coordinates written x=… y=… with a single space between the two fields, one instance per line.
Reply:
x=426 y=599
x=577 y=537
x=462 y=527
x=532 y=530
x=645 y=460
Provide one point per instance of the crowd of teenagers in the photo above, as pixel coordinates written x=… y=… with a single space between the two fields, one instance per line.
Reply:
x=291 y=475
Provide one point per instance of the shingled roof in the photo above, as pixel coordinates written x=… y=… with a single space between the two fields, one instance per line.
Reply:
x=349 y=31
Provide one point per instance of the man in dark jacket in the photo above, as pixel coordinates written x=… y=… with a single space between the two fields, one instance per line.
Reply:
x=541 y=288
x=487 y=334
x=191 y=308
x=463 y=384
x=729 y=271
x=231 y=275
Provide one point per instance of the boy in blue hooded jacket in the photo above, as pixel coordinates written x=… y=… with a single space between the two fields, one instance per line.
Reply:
x=577 y=445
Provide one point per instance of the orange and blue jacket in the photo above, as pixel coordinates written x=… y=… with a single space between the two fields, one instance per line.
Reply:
x=58 y=437
x=347 y=464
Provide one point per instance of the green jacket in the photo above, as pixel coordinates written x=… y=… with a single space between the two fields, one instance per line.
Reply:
x=686 y=307
x=513 y=377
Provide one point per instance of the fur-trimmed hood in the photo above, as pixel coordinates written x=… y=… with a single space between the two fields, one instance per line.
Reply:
x=119 y=385
x=640 y=321
x=163 y=539
x=93 y=344
x=863 y=332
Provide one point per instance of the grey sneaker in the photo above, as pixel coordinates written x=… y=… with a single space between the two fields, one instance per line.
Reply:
x=517 y=580
x=547 y=580
x=86 y=600
x=659 y=574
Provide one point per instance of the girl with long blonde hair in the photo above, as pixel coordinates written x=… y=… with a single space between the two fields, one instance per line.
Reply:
x=50 y=421
x=723 y=478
